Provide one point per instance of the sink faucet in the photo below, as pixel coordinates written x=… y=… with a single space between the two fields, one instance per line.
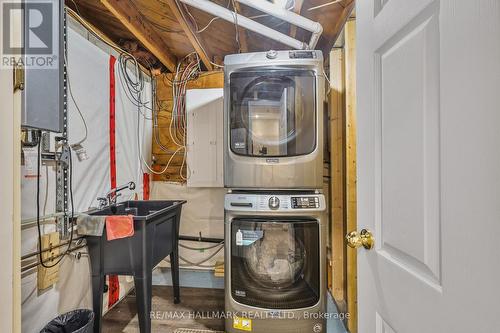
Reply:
x=112 y=195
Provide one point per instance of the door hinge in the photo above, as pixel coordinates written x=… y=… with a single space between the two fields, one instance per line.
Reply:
x=18 y=78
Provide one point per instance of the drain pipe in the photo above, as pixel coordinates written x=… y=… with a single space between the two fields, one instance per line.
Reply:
x=245 y=22
x=279 y=12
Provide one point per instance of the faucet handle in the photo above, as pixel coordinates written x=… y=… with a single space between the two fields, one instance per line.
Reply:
x=112 y=197
x=102 y=202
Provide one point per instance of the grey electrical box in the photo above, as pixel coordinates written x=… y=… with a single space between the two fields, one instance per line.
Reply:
x=43 y=52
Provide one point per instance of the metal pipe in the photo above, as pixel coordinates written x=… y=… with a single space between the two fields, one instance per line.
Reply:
x=279 y=12
x=42 y=218
x=32 y=254
x=245 y=22
x=28 y=267
x=201 y=239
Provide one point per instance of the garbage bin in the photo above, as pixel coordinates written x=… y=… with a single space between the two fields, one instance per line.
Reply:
x=77 y=321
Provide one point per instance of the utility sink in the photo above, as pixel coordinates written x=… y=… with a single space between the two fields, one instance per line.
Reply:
x=141 y=209
x=156 y=236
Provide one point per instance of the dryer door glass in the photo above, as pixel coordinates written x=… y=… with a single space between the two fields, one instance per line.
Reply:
x=273 y=112
x=275 y=263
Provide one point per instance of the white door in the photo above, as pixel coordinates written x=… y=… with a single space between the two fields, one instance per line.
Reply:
x=428 y=99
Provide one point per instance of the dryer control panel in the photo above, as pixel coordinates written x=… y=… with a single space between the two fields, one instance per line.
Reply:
x=305 y=202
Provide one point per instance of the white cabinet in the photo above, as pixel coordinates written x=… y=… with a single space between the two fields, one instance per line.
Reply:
x=204 y=109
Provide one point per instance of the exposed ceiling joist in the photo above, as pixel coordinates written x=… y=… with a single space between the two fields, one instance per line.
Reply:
x=193 y=39
x=339 y=25
x=126 y=12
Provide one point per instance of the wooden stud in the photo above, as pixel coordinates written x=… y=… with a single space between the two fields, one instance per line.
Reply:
x=126 y=12
x=337 y=173
x=188 y=30
x=350 y=72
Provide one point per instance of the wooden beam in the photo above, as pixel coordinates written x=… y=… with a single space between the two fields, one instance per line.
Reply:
x=242 y=32
x=188 y=30
x=352 y=271
x=337 y=173
x=339 y=25
x=126 y=12
x=297 y=9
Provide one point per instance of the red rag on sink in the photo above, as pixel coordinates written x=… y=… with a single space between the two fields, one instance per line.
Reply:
x=119 y=226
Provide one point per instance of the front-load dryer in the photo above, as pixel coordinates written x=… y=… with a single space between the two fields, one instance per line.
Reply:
x=273 y=120
x=275 y=254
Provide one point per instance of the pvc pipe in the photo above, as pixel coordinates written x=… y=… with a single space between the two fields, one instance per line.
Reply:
x=245 y=22
x=277 y=11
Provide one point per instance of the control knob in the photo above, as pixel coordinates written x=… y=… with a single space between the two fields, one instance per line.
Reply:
x=274 y=202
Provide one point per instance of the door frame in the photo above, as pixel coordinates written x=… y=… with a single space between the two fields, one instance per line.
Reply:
x=343 y=212
x=10 y=205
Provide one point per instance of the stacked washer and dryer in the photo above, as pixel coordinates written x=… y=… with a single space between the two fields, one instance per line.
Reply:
x=275 y=214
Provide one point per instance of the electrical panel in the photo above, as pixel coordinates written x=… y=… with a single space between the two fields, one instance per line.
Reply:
x=204 y=108
x=44 y=72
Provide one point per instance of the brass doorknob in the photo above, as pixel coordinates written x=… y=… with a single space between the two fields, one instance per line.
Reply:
x=357 y=239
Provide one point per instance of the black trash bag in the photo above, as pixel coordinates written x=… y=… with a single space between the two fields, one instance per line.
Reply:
x=77 y=321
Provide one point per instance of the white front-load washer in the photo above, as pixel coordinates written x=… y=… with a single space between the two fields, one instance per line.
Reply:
x=275 y=254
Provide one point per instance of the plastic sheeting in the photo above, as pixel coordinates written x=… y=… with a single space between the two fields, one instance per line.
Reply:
x=89 y=77
x=203 y=213
x=133 y=133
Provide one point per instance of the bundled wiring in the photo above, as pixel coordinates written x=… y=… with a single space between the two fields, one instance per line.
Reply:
x=131 y=78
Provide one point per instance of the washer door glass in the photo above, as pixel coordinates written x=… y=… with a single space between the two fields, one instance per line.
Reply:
x=273 y=112
x=275 y=263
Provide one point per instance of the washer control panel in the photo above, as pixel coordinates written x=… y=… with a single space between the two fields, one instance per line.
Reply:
x=305 y=202
x=274 y=202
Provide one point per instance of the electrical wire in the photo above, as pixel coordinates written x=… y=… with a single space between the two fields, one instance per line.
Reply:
x=236 y=26
x=76 y=104
x=76 y=7
x=327 y=79
x=46 y=198
x=208 y=25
